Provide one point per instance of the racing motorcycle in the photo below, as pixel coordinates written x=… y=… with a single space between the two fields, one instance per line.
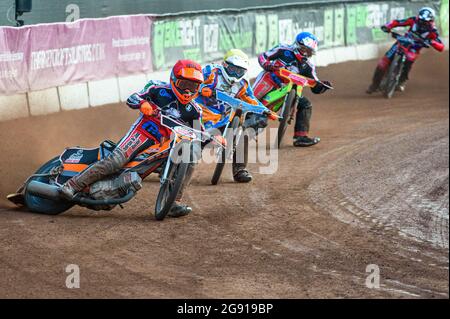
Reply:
x=284 y=100
x=233 y=123
x=40 y=192
x=406 y=46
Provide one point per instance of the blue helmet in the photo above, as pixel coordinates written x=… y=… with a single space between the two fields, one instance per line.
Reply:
x=306 y=43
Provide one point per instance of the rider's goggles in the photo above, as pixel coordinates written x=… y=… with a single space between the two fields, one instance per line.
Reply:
x=425 y=23
x=305 y=51
x=187 y=85
x=235 y=71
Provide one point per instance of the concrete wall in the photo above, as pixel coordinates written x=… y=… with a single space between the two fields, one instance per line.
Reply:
x=115 y=90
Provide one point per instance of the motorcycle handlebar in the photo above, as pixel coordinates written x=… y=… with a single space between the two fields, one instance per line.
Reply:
x=396 y=35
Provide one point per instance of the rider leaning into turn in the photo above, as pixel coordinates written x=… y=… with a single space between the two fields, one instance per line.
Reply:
x=295 y=58
x=175 y=99
x=229 y=77
x=422 y=26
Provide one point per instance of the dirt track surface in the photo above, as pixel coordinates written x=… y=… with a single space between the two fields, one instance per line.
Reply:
x=374 y=191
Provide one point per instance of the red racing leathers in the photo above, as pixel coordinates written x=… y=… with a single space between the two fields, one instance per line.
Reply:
x=425 y=30
x=286 y=56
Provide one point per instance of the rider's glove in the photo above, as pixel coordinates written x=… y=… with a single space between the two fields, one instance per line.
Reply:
x=272 y=116
x=437 y=45
x=321 y=88
x=206 y=92
x=327 y=83
x=147 y=109
x=385 y=29
x=273 y=66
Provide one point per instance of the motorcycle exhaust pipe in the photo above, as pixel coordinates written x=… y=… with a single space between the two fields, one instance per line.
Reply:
x=51 y=192
x=43 y=190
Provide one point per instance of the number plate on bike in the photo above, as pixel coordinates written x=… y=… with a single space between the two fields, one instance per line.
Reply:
x=184 y=132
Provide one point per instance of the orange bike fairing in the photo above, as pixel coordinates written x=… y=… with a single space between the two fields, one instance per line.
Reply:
x=75 y=167
x=132 y=164
x=154 y=149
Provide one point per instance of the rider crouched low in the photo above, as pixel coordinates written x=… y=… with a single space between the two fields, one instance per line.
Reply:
x=228 y=77
x=295 y=58
x=421 y=26
x=176 y=100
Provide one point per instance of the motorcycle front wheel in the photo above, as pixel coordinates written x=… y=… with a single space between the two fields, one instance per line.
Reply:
x=223 y=152
x=170 y=188
x=393 y=76
x=287 y=108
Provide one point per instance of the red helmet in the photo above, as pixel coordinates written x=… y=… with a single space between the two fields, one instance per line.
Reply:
x=185 y=80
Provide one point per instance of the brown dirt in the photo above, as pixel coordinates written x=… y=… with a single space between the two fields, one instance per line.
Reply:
x=375 y=191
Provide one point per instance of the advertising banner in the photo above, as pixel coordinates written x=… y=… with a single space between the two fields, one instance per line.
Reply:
x=49 y=55
x=43 y=56
x=206 y=38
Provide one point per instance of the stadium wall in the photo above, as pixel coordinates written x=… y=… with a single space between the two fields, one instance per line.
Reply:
x=347 y=32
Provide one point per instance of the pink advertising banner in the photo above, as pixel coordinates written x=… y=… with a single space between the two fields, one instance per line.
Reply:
x=43 y=56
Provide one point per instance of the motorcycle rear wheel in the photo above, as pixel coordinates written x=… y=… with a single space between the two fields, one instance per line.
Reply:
x=41 y=205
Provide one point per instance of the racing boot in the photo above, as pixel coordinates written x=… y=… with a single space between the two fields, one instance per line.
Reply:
x=305 y=141
x=114 y=162
x=179 y=210
x=240 y=160
x=242 y=176
x=376 y=80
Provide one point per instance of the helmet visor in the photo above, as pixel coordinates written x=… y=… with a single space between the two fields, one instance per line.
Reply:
x=192 y=74
x=424 y=23
x=235 y=71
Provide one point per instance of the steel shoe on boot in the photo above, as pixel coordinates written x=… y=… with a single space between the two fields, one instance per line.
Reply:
x=371 y=89
x=242 y=176
x=305 y=141
x=401 y=87
x=179 y=210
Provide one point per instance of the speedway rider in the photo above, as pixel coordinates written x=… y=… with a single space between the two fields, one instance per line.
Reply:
x=295 y=58
x=229 y=77
x=176 y=100
x=421 y=26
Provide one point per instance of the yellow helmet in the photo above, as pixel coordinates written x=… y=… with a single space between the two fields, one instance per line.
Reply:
x=235 y=64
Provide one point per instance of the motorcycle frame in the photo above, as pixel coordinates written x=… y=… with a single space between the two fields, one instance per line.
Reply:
x=294 y=81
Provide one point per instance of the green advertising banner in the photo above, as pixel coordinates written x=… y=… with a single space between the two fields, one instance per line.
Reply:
x=443 y=20
x=206 y=38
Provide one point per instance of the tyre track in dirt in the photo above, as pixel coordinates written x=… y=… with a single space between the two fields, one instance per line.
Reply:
x=308 y=231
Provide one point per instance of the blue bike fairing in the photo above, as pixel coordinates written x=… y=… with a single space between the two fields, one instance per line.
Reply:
x=246 y=107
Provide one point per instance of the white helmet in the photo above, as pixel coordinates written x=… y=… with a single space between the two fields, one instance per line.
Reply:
x=235 y=65
x=427 y=14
